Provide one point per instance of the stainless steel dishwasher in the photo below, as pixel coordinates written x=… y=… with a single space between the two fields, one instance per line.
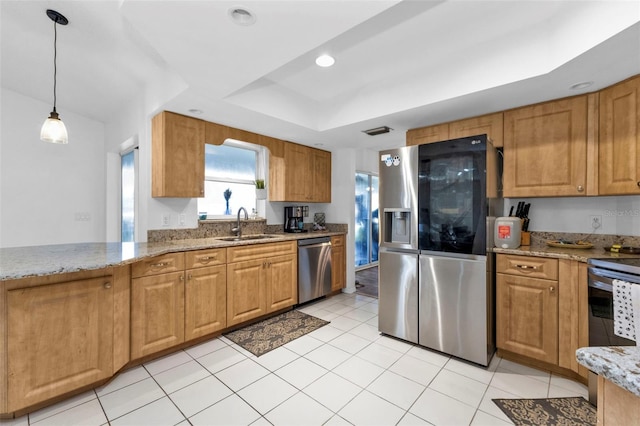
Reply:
x=314 y=268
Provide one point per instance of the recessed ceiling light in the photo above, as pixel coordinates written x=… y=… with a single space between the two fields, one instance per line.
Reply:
x=195 y=111
x=582 y=85
x=242 y=16
x=325 y=61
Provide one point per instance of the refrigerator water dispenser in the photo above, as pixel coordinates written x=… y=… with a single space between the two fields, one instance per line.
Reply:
x=397 y=226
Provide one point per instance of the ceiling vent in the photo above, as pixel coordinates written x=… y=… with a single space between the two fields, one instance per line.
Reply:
x=378 y=130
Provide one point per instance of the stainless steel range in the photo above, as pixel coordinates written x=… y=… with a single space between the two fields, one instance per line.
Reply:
x=602 y=272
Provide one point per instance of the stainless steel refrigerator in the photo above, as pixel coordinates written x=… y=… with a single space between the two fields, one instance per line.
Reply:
x=398 y=245
x=450 y=193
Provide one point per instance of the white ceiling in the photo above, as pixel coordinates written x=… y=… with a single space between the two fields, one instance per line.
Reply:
x=403 y=64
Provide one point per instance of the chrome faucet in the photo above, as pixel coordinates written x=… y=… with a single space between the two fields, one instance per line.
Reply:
x=238 y=228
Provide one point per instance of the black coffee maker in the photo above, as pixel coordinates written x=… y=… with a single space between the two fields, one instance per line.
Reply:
x=294 y=219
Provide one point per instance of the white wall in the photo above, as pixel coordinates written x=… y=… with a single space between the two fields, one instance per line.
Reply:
x=50 y=194
x=134 y=122
x=620 y=215
x=342 y=207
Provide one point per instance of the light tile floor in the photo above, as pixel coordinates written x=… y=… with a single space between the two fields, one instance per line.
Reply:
x=343 y=373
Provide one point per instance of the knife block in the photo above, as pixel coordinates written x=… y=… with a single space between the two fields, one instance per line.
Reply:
x=525 y=238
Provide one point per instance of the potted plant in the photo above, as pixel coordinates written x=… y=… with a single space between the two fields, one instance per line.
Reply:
x=261 y=191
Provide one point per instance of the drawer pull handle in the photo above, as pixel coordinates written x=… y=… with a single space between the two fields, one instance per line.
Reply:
x=107 y=285
x=181 y=277
x=206 y=258
x=189 y=277
x=526 y=267
x=159 y=264
x=552 y=289
x=639 y=184
x=580 y=188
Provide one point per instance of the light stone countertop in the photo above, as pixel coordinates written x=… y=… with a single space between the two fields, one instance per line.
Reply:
x=22 y=262
x=618 y=364
x=581 y=255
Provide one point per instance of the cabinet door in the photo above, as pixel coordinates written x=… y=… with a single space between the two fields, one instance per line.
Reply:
x=527 y=317
x=491 y=125
x=619 y=149
x=205 y=296
x=298 y=179
x=60 y=338
x=282 y=282
x=177 y=158
x=245 y=291
x=157 y=313
x=437 y=133
x=320 y=191
x=338 y=263
x=545 y=149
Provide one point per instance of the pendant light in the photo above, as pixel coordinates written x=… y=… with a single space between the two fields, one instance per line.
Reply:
x=53 y=130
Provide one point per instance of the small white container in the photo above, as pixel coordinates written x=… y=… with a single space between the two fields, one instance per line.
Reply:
x=507 y=232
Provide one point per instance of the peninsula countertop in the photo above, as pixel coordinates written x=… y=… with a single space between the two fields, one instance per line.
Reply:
x=22 y=262
x=618 y=364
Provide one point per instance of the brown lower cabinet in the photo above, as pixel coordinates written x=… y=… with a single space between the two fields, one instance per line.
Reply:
x=616 y=406
x=338 y=263
x=541 y=311
x=259 y=282
x=63 y=333
x=169 y=308
x=68 y=332
x=157 y=313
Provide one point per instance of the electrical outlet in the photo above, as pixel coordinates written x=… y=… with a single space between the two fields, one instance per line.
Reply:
x=166 y=219
x=596 y=221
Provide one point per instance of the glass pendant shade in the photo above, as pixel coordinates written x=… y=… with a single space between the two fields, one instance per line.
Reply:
x=53 y=130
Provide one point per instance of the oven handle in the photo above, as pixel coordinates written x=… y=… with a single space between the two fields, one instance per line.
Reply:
x=596 y=282
x=604 y=279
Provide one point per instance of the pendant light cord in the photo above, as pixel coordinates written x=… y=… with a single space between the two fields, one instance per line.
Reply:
x=55 y=57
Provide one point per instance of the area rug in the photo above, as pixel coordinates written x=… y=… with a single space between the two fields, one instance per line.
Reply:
x=265 y=336
x=548 y=411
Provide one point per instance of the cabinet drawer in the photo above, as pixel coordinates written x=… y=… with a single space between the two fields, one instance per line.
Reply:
x=337 y=240
x=527 y=266
x=202 y=258
x=171 y=262
x=249 y=252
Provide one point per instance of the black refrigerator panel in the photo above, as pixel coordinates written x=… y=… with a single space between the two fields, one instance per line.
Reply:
x=452 y=196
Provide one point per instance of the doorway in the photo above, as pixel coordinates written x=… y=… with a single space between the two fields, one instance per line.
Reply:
x=128 y=201
x=366 y=233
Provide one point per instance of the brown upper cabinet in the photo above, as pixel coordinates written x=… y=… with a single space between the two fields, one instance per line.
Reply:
x=429 y=134
x=177 y=159
x=303 y=174
x=296 y=172
x=619 y=146
x=577 y=146
x=490 y=124
x=545 y=149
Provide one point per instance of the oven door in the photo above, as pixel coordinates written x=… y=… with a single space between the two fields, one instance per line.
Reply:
x=601 y=308
x=601 y=315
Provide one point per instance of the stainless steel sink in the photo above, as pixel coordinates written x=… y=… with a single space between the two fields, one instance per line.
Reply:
x=246 y=237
